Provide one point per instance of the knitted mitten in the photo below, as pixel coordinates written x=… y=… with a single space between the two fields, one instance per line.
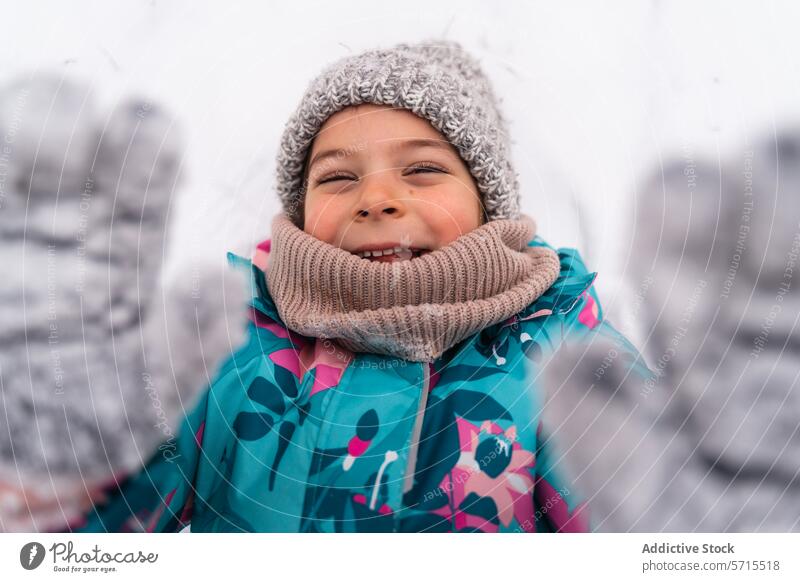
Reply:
x=98 y=357
x=714 y=443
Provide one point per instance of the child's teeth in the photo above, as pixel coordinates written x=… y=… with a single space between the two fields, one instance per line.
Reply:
x=401 y=252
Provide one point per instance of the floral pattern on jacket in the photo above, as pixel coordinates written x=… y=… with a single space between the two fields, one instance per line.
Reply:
x=296 y=434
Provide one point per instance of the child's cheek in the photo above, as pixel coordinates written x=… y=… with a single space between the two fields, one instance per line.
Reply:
x=446 y=229
x=454 y=215
x=321 y=221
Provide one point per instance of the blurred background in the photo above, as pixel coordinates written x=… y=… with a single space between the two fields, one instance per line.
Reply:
x=661 y=139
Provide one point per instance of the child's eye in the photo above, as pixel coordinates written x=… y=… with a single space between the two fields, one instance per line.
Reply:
x=334 y=177
x=427 y=168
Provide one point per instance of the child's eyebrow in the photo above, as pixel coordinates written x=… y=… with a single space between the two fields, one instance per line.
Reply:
x=405 y=144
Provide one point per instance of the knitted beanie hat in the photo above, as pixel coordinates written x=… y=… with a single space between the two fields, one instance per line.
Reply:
x=436 y=80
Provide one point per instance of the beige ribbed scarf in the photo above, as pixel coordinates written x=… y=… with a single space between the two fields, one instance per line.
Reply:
x=414 y=309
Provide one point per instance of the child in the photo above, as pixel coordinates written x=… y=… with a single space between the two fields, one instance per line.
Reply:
x=401 y=312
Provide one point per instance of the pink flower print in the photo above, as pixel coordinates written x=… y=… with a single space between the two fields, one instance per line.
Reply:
x=589 y=315
x=329 y=362
x=355 y=448
x=361 y=499
x=453 y=484
x=278 y=330
x=366 y=429
x=491 y=464
x=288 y=358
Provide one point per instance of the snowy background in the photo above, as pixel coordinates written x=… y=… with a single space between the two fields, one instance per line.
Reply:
x=598 y=95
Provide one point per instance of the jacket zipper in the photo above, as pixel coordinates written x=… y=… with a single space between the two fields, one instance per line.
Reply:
x=408 y=480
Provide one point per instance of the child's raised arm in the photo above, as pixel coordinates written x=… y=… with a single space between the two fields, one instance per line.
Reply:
x=587 y=356
x=160 y=496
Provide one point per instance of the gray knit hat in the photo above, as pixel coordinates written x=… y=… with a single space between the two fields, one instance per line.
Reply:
x=436 y=80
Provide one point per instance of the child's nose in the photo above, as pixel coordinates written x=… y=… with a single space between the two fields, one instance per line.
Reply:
x=380 y=200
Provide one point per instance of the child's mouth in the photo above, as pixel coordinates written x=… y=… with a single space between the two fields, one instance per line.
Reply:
x=392 y=255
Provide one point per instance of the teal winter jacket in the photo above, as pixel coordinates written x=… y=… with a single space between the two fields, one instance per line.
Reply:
x=295 y=434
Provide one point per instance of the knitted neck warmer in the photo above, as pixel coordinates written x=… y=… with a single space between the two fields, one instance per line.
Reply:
x=414 y=309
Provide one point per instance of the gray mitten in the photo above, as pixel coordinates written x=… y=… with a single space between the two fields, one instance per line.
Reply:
x=99 y=357
x=745 y=420
x=714 y=444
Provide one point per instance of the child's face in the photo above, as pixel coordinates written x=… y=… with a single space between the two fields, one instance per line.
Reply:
x=395 y=181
